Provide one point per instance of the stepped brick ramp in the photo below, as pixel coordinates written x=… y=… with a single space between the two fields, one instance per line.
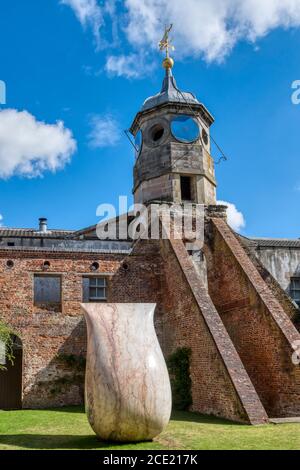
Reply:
x=221 y=385
x=260 y=329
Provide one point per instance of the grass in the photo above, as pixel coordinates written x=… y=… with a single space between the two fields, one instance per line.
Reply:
x=68 y=428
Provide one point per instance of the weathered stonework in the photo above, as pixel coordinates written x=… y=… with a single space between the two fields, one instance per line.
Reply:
x=160 y=164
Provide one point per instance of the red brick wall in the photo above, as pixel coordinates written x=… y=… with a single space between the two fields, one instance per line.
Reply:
x=220 y=385
x=141 y=282
x=162 y=273
x=257 y=324
x=283 y=298
x=46 y=334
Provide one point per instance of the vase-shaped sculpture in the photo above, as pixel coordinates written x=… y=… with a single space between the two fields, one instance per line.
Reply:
x=127 y=386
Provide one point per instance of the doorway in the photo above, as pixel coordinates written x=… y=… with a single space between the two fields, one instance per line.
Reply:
x=11 y=380
x=186 y=188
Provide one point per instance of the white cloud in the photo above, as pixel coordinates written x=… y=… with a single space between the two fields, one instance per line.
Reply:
x=208 y=28
x=130 y=66
x=235 y=218
x=122 y=66
x=105 y=131
x=205 y=28
x=29 y=147
x=89 y=13
x=1 y=218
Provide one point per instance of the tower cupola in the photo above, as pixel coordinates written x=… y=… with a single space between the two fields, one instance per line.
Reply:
x=172 y=140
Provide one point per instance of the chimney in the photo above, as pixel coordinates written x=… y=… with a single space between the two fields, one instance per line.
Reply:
x=43 y=225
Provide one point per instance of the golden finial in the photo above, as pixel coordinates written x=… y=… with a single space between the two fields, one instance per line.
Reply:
x=166 y=44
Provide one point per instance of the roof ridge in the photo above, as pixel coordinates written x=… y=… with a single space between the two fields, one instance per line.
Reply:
x=34 y=229
x=275 y=239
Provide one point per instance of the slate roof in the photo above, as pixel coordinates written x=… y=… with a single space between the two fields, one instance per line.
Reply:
x=61 y=234
x=170 y=93
x=33 y=233
x=276 y=242
x=86 y=232
x=53 y=249
x=272 y=242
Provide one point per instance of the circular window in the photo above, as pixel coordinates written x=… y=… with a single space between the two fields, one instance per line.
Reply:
x=157 y=133
x=10 y=264
x=205 y=136
x=185 y=129
x=95 y=266
x=125 y=266
x=46 y=265
x=138 y=143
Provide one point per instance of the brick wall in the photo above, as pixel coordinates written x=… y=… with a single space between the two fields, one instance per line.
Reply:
x=220 y=385
x=48 y=336
x=248 y=334
x=281 y=295
x=260 y=329
x=47 y=380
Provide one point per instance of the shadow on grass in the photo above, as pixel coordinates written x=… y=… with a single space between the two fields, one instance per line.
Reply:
x=187 y=416
x=62 y=442
x=176 y=416
x=68 y=409
x=202 y=419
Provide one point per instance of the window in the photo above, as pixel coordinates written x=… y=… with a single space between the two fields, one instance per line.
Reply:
x=295 y=289
x=185 y=129
x=186 y=188
x=94 y=289
x=138 y=143
x=95 y=266
x=157 y=132
x=205 y=136
x=47 y=290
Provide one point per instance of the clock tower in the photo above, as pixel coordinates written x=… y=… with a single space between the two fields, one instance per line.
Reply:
x=172 y=142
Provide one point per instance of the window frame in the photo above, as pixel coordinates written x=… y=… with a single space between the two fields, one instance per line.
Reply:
x=45 y=303
x=294 y=289
x=180 y=119
x=104 y=287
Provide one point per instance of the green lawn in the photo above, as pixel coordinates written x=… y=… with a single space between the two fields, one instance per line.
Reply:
x=68 y=428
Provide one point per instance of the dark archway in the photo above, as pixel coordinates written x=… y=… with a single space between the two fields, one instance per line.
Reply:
x=11 y=380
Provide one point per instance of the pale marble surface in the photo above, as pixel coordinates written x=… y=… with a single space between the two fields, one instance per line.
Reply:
x=128 y=394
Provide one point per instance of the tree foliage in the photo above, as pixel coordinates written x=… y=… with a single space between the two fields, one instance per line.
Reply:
x=7 y=338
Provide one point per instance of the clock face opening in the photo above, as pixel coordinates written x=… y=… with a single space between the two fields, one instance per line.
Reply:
x=138 y=144
x=185 y=129
x=157 y=132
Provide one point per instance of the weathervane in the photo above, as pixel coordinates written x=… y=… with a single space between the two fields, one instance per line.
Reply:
x=166 y=44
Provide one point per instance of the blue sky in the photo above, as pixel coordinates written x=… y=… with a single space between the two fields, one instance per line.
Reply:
x=92 y=68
